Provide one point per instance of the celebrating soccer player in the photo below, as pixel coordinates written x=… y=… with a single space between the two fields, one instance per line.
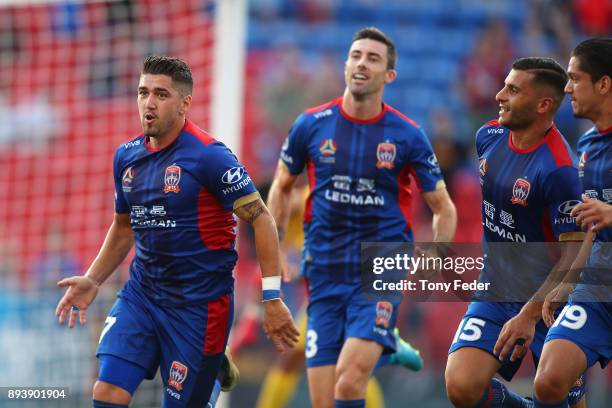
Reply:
x=582 y=333
x=529 y=183
x=177 y=189
x=360 y=153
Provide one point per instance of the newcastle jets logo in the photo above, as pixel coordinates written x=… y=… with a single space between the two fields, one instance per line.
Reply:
x=384 y=311
x=385 y=153
x=233 y=175
x=520 y=192
x=178 y=374
x=172 y=177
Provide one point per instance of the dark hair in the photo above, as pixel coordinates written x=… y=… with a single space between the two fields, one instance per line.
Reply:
x=375 y=34
x=595 y=57
x=175 y=68
x=546 y=71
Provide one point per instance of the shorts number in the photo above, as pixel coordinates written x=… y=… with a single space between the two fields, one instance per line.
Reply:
x=469 y=330
x=573 y=317
x=108 y=323
x=311 y=343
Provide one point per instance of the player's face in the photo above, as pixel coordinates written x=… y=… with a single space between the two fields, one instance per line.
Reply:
x=581 y=90
x=365 y=70
x=160 y=105
x=517 y=100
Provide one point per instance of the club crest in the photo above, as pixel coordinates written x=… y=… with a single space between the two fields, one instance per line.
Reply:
x=520 y=192
x=384 y=311
x=172 y=177
x=178 y=374
x=385 y=153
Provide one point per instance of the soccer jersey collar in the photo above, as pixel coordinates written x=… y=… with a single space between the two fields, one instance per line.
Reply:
x=375 y=119
x=546 y=138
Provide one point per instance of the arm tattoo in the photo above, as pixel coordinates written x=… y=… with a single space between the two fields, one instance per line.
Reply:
x=249 y=212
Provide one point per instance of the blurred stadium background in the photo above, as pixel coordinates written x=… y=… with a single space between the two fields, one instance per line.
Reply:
x=68 y=75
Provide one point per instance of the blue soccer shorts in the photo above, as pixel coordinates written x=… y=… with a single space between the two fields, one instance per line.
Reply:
x=589 y=326
x=186 y=343
x=481 y=326
x=337 y=312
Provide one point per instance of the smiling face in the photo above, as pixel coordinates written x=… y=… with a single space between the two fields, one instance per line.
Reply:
x=518 y=101
x=161 y=105
x=365 y=70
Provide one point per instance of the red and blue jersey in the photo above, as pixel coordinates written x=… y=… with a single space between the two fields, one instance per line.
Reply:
x=360 y=189
x=527 y=196
x=595 y=171
x=180 y=200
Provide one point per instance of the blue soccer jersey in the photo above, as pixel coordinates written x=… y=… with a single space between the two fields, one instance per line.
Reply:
x=359 y=175
x=180 y=200
x=587 y=318
x=527 y=197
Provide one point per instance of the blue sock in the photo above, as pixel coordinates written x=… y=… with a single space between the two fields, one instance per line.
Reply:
x=215 y=395
x=538 y=404
x=101 y=404
x=497 y=395
x=349 y=403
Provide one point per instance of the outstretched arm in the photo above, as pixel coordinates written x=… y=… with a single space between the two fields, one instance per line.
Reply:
x=82 y=290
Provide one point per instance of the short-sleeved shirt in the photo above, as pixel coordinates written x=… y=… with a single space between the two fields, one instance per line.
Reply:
x=527 y=196
x=359 y=174
x=180 y=200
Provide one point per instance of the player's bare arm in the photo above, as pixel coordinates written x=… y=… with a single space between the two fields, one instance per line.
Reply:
x=517 y=333
x=278 y=323
x=279 y=203
x=444 y=222
x=560 y=293
x=82 y=290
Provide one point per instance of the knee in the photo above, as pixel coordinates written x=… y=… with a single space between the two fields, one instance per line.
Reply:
x=103 y=391
x=548 y=387
x=462 y=392
x=351 y=382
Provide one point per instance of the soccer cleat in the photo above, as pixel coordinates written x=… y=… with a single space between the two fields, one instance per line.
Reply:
x=228 y=373
x=405 y=355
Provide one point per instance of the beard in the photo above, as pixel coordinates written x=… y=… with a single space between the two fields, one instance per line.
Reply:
x=520 y=118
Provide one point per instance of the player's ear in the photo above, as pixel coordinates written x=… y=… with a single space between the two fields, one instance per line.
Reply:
x=545 y=104
x=604 y=85
x=390 y=76
x=185 y=104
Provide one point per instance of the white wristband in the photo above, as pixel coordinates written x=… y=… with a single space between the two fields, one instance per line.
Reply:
x=271 y=283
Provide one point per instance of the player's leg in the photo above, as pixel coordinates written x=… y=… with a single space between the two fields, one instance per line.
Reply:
x=357 y=360
x=282 y=379
x=581 y=336
x=128 y=352
x=471 y=364
x=469 y=371
x=561 y=364
x=192 y=340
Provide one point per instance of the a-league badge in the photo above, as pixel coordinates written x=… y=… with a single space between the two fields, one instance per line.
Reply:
x=520 y=192
x=127 y=178
x=178 y=374
x=385 y=153
x=172 y=178
x=384 y=310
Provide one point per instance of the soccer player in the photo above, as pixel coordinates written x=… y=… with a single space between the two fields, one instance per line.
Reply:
x=175 y=191
x=582 y=333
x=360 y=153
x=528 y=181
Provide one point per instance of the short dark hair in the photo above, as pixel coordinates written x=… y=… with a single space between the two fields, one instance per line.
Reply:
x=175 y=68
x=595 y=57
x=375 y=34
x=546 y=71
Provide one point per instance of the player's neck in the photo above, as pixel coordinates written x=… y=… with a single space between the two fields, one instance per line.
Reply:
x=525 y=138
x=362 y=109
x=604 y=121
x=163 y=141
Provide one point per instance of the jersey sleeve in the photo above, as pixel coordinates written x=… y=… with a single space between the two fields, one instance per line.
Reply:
x=486 y=135
x=121 y=205
x=226 y=178
x=424 y=162
x=294 y=151
x=562 y=192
